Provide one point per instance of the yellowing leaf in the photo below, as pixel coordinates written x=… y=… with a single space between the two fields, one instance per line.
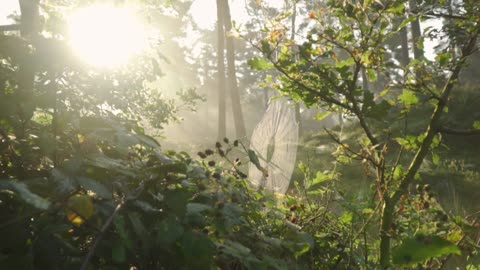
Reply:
x=79 y=208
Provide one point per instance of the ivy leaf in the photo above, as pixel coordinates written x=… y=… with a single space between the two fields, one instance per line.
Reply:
x=422 y=247
x=259 y=64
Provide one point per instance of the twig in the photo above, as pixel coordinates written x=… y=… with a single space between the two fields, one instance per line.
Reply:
x=100 y=236
x=135 y=194
x=462 y=132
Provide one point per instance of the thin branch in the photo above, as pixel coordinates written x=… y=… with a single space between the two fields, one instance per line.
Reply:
x=356 y=109
x=99 y=238
x=311 y=90
x=361 y=156
x=445 y=16
x=9 y=27
x=462 y=132
x=135 y=194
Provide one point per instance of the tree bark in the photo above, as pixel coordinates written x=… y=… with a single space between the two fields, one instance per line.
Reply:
x=29 y=29
x=405 y=57
x=221 y=70
x=232 y=77
x=298 y=115
x=416 y=32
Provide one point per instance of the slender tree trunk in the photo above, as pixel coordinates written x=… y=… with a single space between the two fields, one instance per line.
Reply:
x=416 y=33
x=232 y=77
x=222 y=127
x=298 y=115
x=26 y=78
x=405 y=57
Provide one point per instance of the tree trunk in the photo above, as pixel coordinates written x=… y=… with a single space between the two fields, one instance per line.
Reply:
x=298 y=115
x=221 y=70
x=416 y=33
x=405 y=57
x=232 y=77
x=29 y=29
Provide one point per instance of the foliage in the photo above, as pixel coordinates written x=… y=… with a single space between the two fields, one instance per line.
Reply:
x=82 y=185
x=343 y=64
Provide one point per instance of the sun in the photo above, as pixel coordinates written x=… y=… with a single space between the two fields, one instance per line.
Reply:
x=106 y=35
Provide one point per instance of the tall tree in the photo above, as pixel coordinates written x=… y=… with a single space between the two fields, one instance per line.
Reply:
x=232 y=77
x=416 y=32
x=221 y=69
x=26 y=77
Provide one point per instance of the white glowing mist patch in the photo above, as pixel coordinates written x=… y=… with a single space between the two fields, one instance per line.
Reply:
x=105 y=35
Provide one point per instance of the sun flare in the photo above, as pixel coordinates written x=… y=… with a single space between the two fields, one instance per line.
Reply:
x=105 y=35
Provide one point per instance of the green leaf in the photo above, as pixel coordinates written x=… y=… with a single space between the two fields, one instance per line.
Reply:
x=476 y=125
x=408 y=98
x=422 y=247
x=443 y=58
x=118 y=253
x=398 y=9
x=435 y=158
x=266 y=47
x=321 y=115
x=259 y=64
x=254 y=159
x=319 y=178
x=24 y=192
x=197 y=208
x=98 y=188
x=139 y=229
x=346 y=217
x=169 y=230
x=371 y=75
x=398 y=172
x=105 y=162
x=119 y=223
x=176 y=201
x=345 y=63
x=198 y=251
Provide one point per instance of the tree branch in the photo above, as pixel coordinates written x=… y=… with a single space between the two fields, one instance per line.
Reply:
x=10 y=27
x=99 y=238
x=311 y=90
x=461 y=132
